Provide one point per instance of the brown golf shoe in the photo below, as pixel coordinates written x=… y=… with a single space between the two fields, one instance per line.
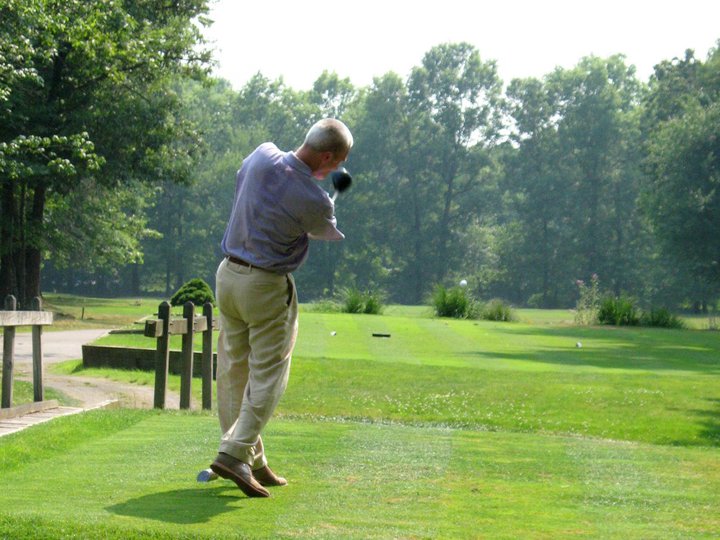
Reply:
x=268 y=478
x=239 y=472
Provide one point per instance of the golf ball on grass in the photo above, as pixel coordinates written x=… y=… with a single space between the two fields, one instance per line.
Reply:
x=333 y=333
x=463 y=282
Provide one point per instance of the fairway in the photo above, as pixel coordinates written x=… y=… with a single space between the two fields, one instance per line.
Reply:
x=445 y=429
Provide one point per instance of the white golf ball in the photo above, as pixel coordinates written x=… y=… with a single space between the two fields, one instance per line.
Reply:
x=578 y=345
x=463 y=282
x=333 y=333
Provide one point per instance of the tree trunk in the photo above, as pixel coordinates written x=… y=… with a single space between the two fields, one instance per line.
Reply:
x=444 y=236
x=8 y=283
x=545 y=250
x=135 y=279
x=33 y=251
x=418 y=243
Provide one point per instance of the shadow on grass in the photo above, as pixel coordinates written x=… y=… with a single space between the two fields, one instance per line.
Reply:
x=635 y=348
x=710 y=422
x=182 y=506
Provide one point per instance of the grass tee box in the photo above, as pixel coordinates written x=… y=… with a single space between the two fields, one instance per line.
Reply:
x=131 y=474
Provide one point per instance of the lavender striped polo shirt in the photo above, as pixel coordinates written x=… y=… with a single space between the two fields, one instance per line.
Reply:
x=278 y=205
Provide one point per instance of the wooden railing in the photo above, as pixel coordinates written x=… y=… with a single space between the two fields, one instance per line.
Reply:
x=162 y=328
x=11 y=318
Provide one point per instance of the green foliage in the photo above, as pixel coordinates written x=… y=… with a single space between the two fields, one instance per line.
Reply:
x=662 y=318
x=497 y=310
x=196 y=291
x=356 y=301
x=522 y=218
x=623 y=311
x=681 y=113
x=618 y=311
x=374 y=303
x=454 y=302
x=86 y=98
x=458 y=303
x=588 y=305
x=353 y=301
x=325 y=305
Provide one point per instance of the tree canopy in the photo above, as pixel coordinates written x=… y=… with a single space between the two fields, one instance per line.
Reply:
x=87 y=106
x=118 y=157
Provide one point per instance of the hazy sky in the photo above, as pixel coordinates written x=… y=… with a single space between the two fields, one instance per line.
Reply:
x=361 y=39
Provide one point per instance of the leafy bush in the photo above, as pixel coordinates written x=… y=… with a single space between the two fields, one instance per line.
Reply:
x=497 y=310
x=368 y=302
x=454 y=302
x=373 y=303
x=196 y=291
x=662 y=318
x=353 y=301
x=619 y=311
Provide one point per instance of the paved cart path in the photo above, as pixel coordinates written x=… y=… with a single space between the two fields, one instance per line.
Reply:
x=88 y=392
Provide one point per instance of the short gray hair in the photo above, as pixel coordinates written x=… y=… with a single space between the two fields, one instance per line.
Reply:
x=329 y=135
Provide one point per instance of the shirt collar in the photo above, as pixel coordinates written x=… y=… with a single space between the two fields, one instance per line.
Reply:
x=296 y=163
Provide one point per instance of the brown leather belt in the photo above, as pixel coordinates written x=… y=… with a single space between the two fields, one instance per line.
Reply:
x=239 y=261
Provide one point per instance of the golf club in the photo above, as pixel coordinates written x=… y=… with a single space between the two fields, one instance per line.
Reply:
x=207 y=475
x=341 y=181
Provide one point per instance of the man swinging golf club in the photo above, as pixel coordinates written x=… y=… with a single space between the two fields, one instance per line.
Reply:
x=278 y=207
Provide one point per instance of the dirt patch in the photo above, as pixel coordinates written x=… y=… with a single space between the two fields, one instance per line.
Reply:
x=90 y=391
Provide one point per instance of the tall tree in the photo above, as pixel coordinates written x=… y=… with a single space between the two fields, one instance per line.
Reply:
x=330 y=97
x=461 y=93
x=682 y=197
x=390 y=226
x=594 y=103
x=538 y=192
x=72 y=104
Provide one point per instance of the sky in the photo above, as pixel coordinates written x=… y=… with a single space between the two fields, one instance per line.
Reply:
x=361 y=39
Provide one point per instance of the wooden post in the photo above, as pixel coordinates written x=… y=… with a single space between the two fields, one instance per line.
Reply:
x=8 y=358
x=186 y=369
x=162 y=356
x=207 y=358
x=38 y=390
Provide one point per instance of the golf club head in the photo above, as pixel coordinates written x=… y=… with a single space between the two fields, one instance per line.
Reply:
x=207 y=475
x=341 y=180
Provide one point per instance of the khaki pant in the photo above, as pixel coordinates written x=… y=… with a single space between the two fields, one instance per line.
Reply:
x=258 y=328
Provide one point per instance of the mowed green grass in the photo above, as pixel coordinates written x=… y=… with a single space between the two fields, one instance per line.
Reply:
x=645 y=385
x=638 y=384
x=130 y=474
x=446 y=429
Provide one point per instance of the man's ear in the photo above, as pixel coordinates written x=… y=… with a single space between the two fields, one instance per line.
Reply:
x=326 y=157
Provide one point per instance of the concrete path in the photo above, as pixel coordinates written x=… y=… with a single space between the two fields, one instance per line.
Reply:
x=57 y=346
x=89 y=392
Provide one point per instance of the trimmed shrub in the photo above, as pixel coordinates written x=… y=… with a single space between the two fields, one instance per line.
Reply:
x=619 y=311
x=196 y=291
